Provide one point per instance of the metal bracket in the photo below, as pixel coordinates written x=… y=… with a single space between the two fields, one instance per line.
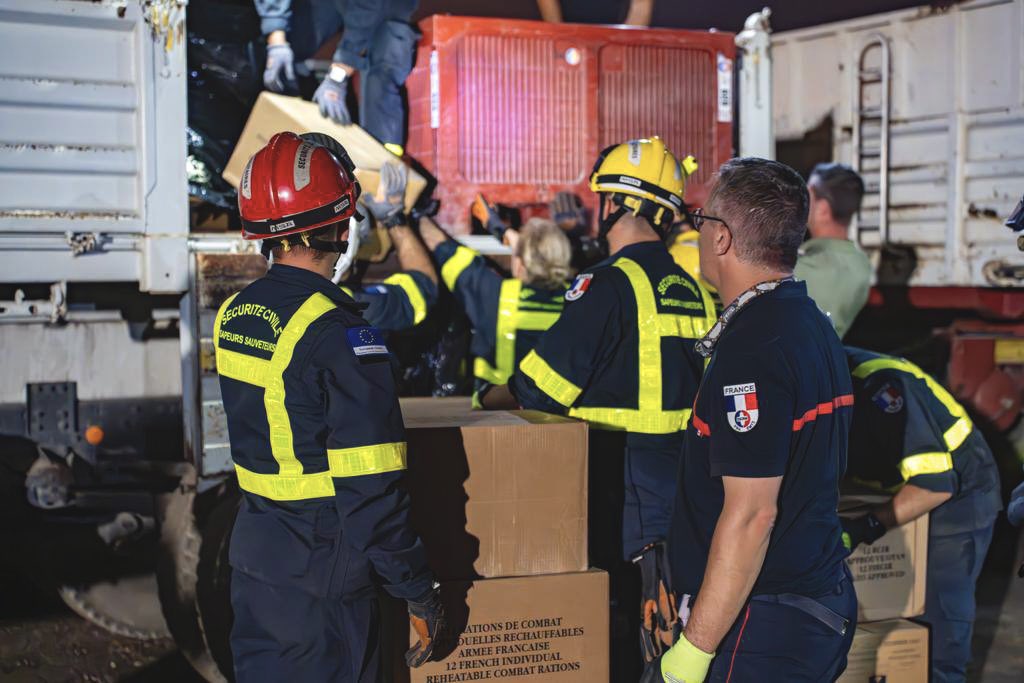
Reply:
x=82 y=242
x=52 y=413
x=55 y=309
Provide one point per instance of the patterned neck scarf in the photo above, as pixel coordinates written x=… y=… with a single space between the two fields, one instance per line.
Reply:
x=706 y=345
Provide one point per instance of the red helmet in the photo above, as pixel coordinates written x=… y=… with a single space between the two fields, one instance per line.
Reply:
x=296 y=184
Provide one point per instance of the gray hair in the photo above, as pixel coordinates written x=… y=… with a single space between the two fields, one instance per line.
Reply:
x=545 y=252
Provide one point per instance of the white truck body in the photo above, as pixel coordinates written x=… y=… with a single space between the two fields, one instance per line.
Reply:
x=956 y=133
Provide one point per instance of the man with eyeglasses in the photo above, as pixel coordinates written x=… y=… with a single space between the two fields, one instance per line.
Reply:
x=755 y=543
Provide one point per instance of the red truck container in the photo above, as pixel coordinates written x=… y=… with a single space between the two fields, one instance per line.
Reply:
x=519 y=110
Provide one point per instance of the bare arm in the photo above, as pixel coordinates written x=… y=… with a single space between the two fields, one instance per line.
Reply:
x=411 y=254
x=550 y=10
x=738 y=549
x=499 y=398
x=910 y=503
x=433 y=236
x=640 y=13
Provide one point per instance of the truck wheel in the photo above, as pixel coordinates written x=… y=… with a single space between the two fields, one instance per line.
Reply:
x=191 y=594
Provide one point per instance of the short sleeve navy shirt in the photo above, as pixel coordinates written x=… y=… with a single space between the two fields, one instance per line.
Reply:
x=775 y=401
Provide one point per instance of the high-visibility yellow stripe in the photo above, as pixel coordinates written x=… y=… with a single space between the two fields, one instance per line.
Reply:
x=239 y=366
x=925 y=463
x=954 y=436
x=286 y=487
x=362 y=460
x=636 y=421
x=685 y=326
x=547 y=380
x=649 y=337
x=345 y=289
x=453 y=267
x=510 y=319
x=282 y=445
x=413 y=292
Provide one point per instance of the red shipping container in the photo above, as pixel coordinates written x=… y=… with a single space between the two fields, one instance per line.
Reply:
x=519 y=110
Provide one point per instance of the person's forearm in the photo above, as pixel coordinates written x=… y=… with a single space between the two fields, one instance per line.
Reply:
x=433 y=236
x=738 y=549
x=411 y=253
x=499 y=398
x=640 y=13
x=910 y=503
x=550 y=10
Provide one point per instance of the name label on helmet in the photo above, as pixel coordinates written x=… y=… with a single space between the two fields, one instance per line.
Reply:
x=300 y=171
x=342 y=205
x=246 y=185
x=278 y=227
x=629 y=181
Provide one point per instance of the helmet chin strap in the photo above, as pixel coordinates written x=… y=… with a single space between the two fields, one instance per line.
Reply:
x=606 y=223
x=344 y=263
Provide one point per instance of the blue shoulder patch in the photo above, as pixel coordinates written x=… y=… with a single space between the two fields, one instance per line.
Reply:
x=366 y=341
x=375 y=289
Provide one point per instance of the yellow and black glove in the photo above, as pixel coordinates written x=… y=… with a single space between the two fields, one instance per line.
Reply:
x=659 y=615
x=684 y=663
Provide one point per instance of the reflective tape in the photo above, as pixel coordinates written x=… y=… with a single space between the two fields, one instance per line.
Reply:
x=284 y=487
x=547 y=380
x=453 y=267
x=362 y=460
x=412 y=291
x=961 y=428
x=925 y=463
x=510 y=319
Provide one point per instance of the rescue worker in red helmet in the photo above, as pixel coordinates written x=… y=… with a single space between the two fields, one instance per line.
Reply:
x=317 y=440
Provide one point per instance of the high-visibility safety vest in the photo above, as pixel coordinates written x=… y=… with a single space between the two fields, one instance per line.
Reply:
x=649 y=417
x=956 y=427
x=518 y=310
x=295 y=478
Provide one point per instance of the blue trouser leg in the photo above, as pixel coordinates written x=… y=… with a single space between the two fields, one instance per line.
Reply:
x=954 y=563
x=779 y=643
x=282 y=634
x=390 y=58
x=313 y=22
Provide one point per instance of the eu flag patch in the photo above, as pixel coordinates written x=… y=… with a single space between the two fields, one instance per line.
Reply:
x=366 y=341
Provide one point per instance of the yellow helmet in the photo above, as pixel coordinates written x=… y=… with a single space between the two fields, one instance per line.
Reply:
x=686 y=254
x=647 y=175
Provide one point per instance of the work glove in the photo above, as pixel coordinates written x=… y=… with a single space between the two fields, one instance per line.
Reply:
x=684 y=663
x=865 y=529
x=427 y=618
x=567 y=211
x=279 y=72
x=331 y=97
x=489 y=217
x=659 y=617
x=388 y=203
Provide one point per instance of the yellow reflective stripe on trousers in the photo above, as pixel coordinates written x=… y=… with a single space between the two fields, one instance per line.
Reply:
x=453 y=267
x=363 y=460
x=282 y=445
x=412 y=292
x=285 y=487
x=510 y=319
x=547 y=380
x=954 y=436
x=925 y=463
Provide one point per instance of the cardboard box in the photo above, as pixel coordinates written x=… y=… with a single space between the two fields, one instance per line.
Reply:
x=275 y=113
x=537 y=628
x=889 y=575
x=496 y=493
x=894 y=651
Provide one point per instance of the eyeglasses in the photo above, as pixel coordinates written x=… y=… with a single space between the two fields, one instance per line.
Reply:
x=697 y=217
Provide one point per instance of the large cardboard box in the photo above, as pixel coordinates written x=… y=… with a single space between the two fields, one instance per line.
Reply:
x=275 y=113
x=536 y=628
x=894 y=651
x=496 y=493
x=889 y=575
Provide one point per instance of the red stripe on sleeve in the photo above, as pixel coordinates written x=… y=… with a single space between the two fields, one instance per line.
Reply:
x=702 y=427
x=825 y=408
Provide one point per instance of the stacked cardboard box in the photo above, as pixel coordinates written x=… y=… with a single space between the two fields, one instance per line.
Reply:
x=890 y=578
x=500 y=501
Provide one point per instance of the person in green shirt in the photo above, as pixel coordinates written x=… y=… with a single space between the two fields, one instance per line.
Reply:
x=837 y=272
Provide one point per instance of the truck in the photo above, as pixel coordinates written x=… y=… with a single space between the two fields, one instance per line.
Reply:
x=114 y=457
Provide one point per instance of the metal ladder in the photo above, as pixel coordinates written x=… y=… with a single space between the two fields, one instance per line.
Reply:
x=867 y=148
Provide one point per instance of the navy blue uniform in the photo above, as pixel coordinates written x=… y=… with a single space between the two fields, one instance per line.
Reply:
x=399 y=302
x=508 y=317
x=621 y=357
x=908 y=429
x=319 y=448
x=775 y=401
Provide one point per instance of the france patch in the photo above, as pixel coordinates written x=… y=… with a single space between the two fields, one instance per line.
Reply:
x=579 y=286
x=366 y=341
x=888 y=399
x=741 y=406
